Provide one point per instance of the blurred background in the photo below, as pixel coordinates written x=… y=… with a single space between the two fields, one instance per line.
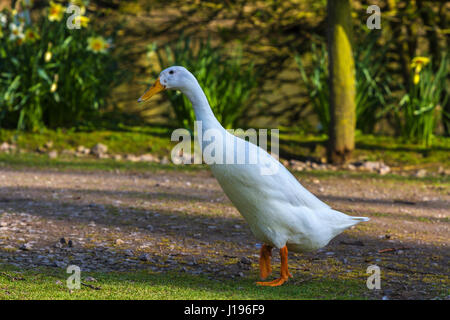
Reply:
x=262 y=64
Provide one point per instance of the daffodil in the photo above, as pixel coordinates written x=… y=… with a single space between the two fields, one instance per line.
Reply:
x=420 y=60
x=83 y=20
x=47 y=56
x=417 y=64
x=16 y=32
x=97 y=44
x=3 y=19
x=56 y=12
x=54 y=85
x=31 y=35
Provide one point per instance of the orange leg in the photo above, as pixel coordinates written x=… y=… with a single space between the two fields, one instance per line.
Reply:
x=264 y=261
x=284 y=271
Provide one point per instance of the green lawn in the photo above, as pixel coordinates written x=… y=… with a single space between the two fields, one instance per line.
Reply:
x=156 y=140
x=50 y=283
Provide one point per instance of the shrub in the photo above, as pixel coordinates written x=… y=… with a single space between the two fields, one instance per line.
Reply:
x=371 y=82
x=51 y=75
x=422 y=106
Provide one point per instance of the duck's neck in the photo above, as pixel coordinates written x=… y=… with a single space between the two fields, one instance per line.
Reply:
x=201 y=106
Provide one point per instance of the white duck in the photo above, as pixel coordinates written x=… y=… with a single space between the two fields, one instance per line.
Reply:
x=280 y=212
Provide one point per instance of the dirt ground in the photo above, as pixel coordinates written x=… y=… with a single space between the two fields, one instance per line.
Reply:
x=174 y=220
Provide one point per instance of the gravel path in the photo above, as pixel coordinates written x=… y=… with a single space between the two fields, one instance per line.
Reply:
x=182 y=221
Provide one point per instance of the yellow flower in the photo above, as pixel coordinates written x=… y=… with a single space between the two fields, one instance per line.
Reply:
x=16 y=32
x=97 y=44
x=48 y=56
x=418 y=62
x=31 y=35
x=53 y=87
x=56 y=12
x=84 y=21
x=416 y=78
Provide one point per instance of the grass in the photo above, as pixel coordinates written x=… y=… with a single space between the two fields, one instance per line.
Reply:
x=156 y=140
x=393 y=151
x=121 y=140
x=50 y=283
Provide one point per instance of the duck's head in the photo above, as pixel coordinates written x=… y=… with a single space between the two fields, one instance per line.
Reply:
x=174 y=77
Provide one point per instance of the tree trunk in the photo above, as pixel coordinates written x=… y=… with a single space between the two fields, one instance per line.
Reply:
x=342 y=82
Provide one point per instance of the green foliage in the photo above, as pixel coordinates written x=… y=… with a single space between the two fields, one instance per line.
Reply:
x=226 y=80
x=421 y=108
x=317 y=83
x=372 y=84
x=51 y=75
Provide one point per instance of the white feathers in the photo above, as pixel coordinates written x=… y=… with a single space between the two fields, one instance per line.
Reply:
x=278 y=209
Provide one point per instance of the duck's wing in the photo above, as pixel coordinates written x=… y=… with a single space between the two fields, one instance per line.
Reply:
x=290 y=188
x=269 y=177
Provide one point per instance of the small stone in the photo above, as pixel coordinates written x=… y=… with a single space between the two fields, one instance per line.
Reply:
x=48 y=144
x=25 y=247
x=119 y=242
x=149 y=227
x=83 y=150
x=5 y=146
x=421 y=173
x=59 y=264
x=90 y=279
x=164 y=160
x=371 y=165
x=99 y=149
x=145 y=257
x=148 y=158
x=117 y=157
x=128 y=253
x=245 y=260
x=53 y=154
x=131 y=157
x=384 y=169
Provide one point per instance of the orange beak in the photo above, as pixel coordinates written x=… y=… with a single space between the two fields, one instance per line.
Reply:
x=157 y=87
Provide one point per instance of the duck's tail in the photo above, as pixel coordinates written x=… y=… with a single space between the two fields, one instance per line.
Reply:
x=340 y=221
x=360 y=219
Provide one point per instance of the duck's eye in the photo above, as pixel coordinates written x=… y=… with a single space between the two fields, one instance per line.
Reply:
x=171 y=72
